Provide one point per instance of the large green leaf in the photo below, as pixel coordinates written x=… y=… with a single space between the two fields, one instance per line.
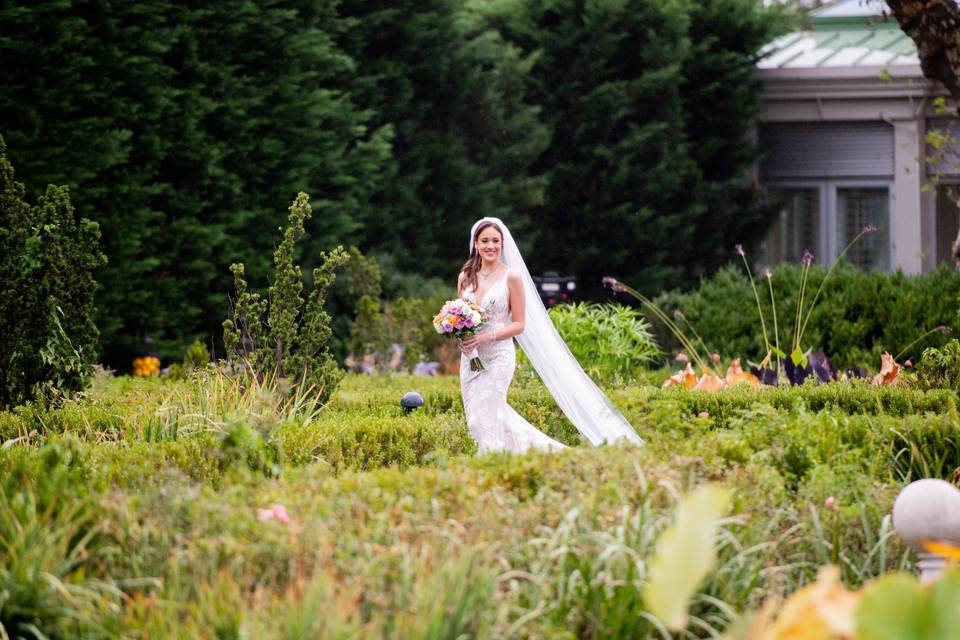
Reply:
x=685 y=555
x=897 y=607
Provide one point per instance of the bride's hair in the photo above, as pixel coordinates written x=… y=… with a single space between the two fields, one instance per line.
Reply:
x=472 y=266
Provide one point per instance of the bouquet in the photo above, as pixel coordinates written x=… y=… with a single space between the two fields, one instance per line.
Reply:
x=461 y=319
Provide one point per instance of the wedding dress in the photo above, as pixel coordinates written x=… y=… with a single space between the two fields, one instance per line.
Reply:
x=490 y=420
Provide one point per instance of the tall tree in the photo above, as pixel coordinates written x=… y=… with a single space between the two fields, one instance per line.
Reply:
x=183 y=129
x=934 y=25
x=464 y=139
x=649 y=105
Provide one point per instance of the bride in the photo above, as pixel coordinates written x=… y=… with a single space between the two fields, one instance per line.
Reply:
x=496 y=278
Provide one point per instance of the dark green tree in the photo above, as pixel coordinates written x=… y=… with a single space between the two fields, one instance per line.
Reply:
x=648 y=104
x=178 y=126
x=464 y=137
x=47 y=256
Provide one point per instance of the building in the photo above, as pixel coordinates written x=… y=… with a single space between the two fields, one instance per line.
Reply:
x=852 y=135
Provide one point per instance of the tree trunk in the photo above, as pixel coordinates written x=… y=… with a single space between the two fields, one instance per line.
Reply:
x=934 y=25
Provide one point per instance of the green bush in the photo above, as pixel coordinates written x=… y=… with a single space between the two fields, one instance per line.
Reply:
x=47 y=258
x=54 y=545
x=859 y=314
x=940 y=368
x=612 y=342
x=280 y=336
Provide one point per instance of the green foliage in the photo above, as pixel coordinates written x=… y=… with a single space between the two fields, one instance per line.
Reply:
x=196 y=357
x=180 y=141
x=386 y=503
x=242 y=445
x=466 y=136
x=859 y=315
x=368 y=330
x=293 y=343
x=47 y=258
x=612 y=342
x=53 y=544
x=940 y=368
x=649 y=105
x=411 y=118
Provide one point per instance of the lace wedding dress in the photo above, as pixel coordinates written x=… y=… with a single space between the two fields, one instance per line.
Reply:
x=491 y=421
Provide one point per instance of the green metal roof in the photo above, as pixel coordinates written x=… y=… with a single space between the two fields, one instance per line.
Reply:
x=846 y=33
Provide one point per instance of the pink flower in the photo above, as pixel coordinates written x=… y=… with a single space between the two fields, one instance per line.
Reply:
x=681 y=357
x=740 y=250
x=714 y=358
x=908 y=363
x=614 y=284
x=703 y=414
x=807 y=258
x=677 y=314
x=277 y=511
x=869 y=228
x=767 y=273
x=830 y=503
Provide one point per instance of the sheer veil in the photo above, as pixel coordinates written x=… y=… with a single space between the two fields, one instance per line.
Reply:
x=584 y=404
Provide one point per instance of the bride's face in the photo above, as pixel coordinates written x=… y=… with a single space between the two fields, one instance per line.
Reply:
x=489 y=244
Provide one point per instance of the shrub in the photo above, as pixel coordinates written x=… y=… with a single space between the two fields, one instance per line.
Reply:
x=293 y=343
x=53 y=544
x=940 y=368
x=196 y=357
x=612 y=342
x=47 y=258
x=859 y=314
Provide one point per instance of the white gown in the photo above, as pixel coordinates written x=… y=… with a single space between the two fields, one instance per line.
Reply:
x=491 y=421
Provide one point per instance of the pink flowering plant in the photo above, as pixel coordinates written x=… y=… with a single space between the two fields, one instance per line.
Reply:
x=461 y=319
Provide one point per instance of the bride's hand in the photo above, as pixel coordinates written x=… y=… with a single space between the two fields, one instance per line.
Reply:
x=468 y=345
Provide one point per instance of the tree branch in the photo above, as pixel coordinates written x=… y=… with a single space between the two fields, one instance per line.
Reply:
x=934 y=25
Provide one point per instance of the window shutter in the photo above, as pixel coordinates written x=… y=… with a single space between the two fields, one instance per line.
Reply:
x=826 y=150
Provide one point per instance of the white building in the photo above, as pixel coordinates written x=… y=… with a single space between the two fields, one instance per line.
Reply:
x=846 y=126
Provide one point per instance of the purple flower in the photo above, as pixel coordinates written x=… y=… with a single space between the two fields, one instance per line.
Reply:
x=447 y=327
x=460 y=323
x=614 y=284
x=677 y=314
x=740 y=250
x=468 y=323
x=869 y=228
x=944 y=329
x=807 y=258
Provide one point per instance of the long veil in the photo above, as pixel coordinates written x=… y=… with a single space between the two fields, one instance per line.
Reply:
x=584 y=404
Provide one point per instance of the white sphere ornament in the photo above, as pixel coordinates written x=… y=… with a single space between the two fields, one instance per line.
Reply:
x=928 y=510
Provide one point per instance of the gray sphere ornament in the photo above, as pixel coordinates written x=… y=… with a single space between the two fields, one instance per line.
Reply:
x=411 y=400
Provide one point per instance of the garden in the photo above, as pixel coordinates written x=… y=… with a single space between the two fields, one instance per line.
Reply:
x=271 y=495
x=202 y=432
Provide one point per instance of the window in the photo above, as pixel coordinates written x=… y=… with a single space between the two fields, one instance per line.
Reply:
x=948 y=221
x=797 y=225
x=856 y=209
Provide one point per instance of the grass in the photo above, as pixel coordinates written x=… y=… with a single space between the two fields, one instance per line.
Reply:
x=153 y=491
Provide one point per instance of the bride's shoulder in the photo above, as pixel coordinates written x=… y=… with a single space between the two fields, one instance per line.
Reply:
x=513 y=277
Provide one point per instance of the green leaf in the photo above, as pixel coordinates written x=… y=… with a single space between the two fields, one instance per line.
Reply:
x=893 y=608
x=685 y=555
x=778 y=352
x=798 y=357
x=897 y=607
